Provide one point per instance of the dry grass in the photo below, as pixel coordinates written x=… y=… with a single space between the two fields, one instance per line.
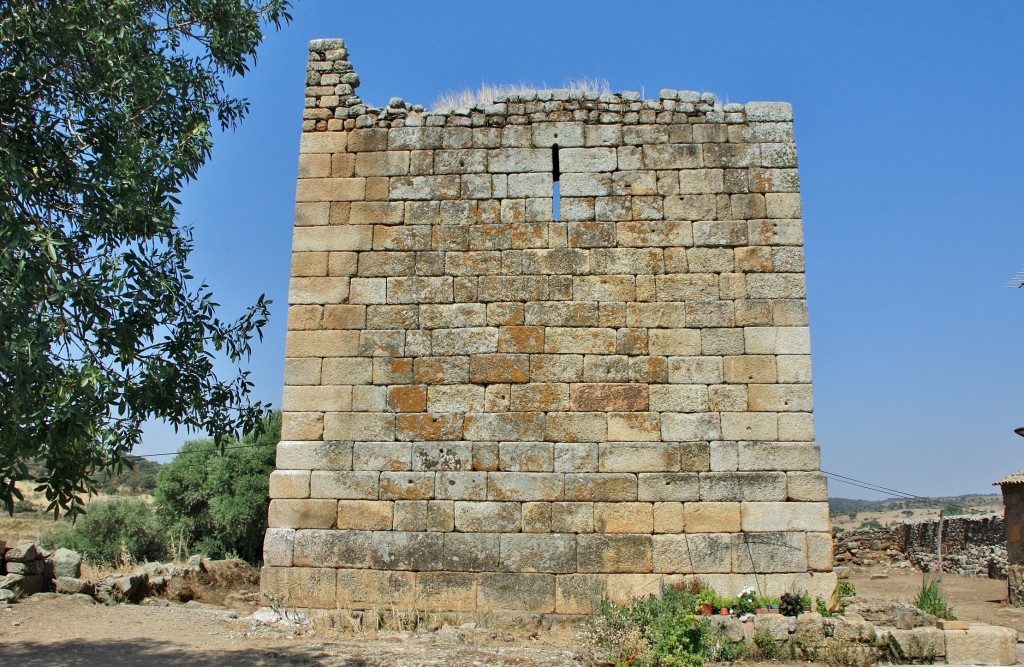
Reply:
x=489 y=92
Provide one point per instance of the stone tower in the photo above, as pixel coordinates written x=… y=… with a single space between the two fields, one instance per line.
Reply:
x=543 y=351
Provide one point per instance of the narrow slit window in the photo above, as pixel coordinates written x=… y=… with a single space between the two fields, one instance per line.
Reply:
x=555 y=174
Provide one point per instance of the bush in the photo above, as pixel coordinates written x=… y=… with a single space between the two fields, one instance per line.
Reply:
x=655 y=631
x=110 y=532
x=215 y=502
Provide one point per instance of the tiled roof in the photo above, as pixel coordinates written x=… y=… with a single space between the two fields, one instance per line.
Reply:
x=1015 y=478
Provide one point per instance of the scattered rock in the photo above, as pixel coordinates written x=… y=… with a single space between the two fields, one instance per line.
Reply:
x=22 y=553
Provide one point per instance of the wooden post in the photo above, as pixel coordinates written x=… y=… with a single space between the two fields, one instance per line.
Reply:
x=938 y=540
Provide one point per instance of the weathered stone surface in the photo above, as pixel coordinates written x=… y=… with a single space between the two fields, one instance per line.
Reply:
x=511 y=408
x=981 y=645
x=67 y=563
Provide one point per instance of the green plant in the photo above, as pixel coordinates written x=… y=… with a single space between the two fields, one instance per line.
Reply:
x=766 y=646
x=821 y=606
x=790 y=604
x=215 y=502
x=846 y=588
x=112 y=530
x=655 y=631
x=108 y=111
x=932 y=600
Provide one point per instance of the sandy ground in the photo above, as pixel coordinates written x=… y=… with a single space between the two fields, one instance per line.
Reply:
x=48 y=631
x=64 y=631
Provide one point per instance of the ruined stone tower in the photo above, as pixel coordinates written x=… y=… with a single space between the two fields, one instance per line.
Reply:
x=507 y=404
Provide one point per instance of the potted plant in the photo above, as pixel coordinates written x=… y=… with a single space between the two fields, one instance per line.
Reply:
x=746 y=603
x=790 y=604
x=706 y=602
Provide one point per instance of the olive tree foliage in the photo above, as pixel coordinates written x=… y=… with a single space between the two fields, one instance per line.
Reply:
x=107 y=109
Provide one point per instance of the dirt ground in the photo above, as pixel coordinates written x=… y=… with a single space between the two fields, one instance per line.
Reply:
x=50 y=630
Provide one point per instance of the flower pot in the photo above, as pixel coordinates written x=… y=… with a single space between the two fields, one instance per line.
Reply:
x=763 y=610
x=705 y=609
x=724 y=611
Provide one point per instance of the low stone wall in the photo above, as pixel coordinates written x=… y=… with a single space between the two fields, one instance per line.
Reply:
x=971 y=546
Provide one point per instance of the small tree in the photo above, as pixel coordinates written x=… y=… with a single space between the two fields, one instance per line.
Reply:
x=106 y=111
x=217 y=502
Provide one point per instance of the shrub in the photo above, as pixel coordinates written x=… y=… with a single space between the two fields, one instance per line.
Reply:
x=655 y=631
x=215 y=502
x=846 y=588
x=110 y=532
x=931 y=599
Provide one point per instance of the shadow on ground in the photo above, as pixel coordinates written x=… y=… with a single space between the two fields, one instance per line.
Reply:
x=125 y=653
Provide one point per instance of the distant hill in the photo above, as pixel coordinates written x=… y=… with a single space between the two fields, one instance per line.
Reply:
x=841 y=506
x=140 y=478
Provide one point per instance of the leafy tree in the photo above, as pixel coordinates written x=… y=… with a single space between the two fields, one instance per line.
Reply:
x=216 y=501
x=106 y=110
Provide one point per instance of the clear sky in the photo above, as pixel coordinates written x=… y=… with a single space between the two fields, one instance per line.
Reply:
x=908 y=125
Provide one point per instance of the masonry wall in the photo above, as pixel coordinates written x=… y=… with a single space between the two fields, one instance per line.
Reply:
x=488 y=409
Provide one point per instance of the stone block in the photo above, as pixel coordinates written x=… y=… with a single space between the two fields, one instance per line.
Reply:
x=302 y=513
x=343 y=484
x=785 y=456
x=667 y=486
x=807 y=486
x=711 y=517
x=749 y=426
x=526 y=456
x=532 y=552
x=623 y=589
x=382 y=456
x=788 y=516
x=361 y=426
x=769 y=552
x=571 y=517
x=611 y=553
x=410 y=515
x=576 y=427
x=440 y=516
x=406 y=485
x=692 y=553
x=365 y=515
x=750 y=486
x=533 y=592
x=277 y=546
x=524 y=486
x=600 y=486
x=578 y=593
x=638 y=457
x=406 y=551
x=819 y=552
x=981 y=645
x=314 y=587
x=488 y=517
x=461 y=485
x=373 y=589
x=687 y=427
x=315 y=455
x=576 y=457
x=289 y=484
x=634 y=426
x=623 y=517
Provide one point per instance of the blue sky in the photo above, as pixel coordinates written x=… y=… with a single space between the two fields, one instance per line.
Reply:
x=907 y=124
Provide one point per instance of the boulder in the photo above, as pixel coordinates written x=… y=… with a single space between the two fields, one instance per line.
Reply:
x=7 y=595
x=29 y=567
x=67 y=563
x=22 y=553
x=775 y=624
x=129 y=588
x=11 y=581
x=75 y=586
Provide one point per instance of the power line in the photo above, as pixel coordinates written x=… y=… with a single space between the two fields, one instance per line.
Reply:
x=872 y=487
